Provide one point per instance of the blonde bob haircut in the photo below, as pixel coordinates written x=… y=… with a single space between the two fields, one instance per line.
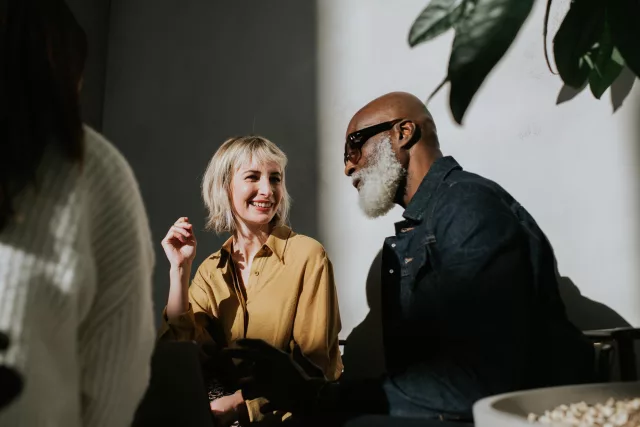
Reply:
x=216 y=183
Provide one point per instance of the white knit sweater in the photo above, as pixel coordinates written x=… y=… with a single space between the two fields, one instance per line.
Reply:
x=75 y=293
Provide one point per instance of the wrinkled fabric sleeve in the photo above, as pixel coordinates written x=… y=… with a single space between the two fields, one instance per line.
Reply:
x=315 y=330
x=192 y=324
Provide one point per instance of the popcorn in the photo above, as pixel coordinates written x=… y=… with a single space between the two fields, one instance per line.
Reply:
x=613 y=413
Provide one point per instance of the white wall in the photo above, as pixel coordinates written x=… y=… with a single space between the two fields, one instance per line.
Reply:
x=575 y=166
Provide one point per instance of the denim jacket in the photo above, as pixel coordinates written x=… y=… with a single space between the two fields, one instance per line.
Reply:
x=471 y=305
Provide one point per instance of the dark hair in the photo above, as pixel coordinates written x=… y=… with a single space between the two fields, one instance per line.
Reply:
x=42 y=56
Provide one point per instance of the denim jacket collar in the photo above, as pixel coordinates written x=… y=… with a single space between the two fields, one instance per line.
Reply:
x=437 y=173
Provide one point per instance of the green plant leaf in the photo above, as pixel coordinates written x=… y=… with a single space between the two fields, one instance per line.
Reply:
x=435 y=19
x=602 y=77
x=607 y=64
x=602 y=50
x=547 y=12
x=483 y=36
x=623 y=17
x=579 y=31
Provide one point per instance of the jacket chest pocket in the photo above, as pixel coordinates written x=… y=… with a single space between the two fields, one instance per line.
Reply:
x=416 y=257
x=415 y=266
x=416 y=263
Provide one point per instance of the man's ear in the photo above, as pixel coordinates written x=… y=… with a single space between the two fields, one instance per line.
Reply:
x=408 y=134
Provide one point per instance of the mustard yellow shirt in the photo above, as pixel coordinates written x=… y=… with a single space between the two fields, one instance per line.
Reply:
x=290 y=299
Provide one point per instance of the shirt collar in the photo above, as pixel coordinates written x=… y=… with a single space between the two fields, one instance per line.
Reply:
x=277 y=241
x=276 y=244
x=430 y=183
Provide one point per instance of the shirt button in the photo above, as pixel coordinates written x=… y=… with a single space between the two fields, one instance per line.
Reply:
x=391 y=271
x=393 y=245
x=257 y=273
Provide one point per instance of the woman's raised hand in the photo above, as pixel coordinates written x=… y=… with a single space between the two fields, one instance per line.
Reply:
x=180 y=243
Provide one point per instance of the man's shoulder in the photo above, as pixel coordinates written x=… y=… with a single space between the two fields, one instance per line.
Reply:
x=468 y=188
x=473 y=210
x=469 y=179
x=469 y=200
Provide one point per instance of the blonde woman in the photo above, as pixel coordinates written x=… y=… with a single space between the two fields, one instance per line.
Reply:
x=266 y=282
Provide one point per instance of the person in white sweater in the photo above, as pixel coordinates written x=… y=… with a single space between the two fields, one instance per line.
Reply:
x=76 y=255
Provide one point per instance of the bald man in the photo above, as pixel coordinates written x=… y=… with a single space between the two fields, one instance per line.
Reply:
x=471 y=305
x=470 y=300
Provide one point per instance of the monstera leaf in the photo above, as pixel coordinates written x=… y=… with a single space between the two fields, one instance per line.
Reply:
x=484 y=31
x=435 y=19
x=595 y=41
x=606 y=63
x=579 y=31
x=483 y=36
x=624 y=20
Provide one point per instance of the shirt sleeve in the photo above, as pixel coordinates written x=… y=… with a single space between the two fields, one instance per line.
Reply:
x=484 y=272
x=317 y=322
x=498 y=293
x=256 y=411
x=315 y=330
x=192 y=324
x=475 y=307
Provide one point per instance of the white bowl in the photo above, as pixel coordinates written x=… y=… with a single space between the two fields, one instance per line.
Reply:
x=512 y=409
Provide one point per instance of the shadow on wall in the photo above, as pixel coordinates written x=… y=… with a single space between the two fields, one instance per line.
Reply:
x=585 y=313
x=620 y=89
x=363 y=355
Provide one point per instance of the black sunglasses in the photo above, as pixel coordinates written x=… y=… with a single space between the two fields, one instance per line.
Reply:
x=355 y=140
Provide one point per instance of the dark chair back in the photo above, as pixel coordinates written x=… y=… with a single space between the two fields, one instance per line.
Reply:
x=10 y=380
x=615 y=348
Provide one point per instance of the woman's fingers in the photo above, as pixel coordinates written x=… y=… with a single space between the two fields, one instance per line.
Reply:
x=182 y=238
x=181 y=231
x=173 y=236
x=184 y=225
x=182 y=219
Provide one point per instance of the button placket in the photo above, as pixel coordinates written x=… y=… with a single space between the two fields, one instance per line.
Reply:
x=257 y=268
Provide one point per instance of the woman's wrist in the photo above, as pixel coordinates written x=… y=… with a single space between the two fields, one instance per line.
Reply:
x=181 y=267
x=238 y=399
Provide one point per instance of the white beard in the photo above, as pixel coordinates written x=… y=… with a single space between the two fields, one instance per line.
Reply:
x=379 y=180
